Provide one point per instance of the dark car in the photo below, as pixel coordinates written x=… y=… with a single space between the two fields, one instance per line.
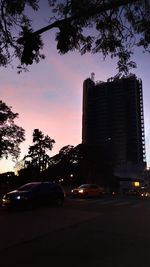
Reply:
x=34 y=194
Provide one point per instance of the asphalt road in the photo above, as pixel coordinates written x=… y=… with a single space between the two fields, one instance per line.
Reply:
x=85 y=232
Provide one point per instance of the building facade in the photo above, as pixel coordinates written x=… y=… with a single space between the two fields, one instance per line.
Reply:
x=113 y=117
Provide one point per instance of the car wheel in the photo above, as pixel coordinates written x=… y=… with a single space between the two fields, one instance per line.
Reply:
x=29 y=205
x=85 y=195
x=59 y=202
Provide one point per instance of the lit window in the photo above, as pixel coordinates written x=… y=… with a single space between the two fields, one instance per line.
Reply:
x=136 y=184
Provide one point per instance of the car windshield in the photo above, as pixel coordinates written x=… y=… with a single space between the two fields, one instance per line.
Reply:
x=84 y=186
x=27 y=187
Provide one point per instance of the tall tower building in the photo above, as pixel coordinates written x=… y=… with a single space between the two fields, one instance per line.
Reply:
x=113 y=117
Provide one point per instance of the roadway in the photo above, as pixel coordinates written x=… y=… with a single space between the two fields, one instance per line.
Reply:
x=110 y=231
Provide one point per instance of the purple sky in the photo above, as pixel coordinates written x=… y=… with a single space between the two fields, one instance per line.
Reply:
x=49 y=96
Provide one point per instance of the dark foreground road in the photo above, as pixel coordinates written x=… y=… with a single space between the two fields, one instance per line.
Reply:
x=105 y=232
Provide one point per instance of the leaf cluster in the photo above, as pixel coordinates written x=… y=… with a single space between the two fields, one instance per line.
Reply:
x=12 y=20
x=108 y=27
x=115 y=28
x=37 y=156
x=11 y=135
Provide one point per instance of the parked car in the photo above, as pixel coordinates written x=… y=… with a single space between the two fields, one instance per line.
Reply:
x=87 y=190
x=34 y=194
x=133 y=193
x=139 y=193
x=144 y=194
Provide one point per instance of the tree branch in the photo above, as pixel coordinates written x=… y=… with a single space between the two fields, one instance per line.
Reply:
x=92 y=11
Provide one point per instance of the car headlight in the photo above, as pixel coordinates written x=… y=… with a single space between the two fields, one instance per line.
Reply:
x=80 y=191
x=5 y=197
x=18 y=197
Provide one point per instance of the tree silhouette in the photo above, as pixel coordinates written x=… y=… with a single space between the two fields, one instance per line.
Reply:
x=37 y=156
x=60 y=165
x=11 y=135
x=98 y=26
x=81 y=164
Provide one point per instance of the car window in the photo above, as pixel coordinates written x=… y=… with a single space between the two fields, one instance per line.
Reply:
x=55 y=187
x=28 y=187
x=94 y=186
x=51 y=187
x=45 y=188
x=84 y=186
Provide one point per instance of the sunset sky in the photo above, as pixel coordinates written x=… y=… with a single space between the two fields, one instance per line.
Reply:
x=49 y=96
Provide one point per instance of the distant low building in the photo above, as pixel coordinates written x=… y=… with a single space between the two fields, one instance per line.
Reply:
x=129 y=183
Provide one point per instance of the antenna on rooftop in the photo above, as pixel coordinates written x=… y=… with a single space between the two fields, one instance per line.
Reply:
x=93 y=76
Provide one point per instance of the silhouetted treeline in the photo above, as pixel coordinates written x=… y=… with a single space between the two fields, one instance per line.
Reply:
x=71 y=166
x=81 y=164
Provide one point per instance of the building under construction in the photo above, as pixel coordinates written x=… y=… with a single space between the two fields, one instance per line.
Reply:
x=113 y=117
